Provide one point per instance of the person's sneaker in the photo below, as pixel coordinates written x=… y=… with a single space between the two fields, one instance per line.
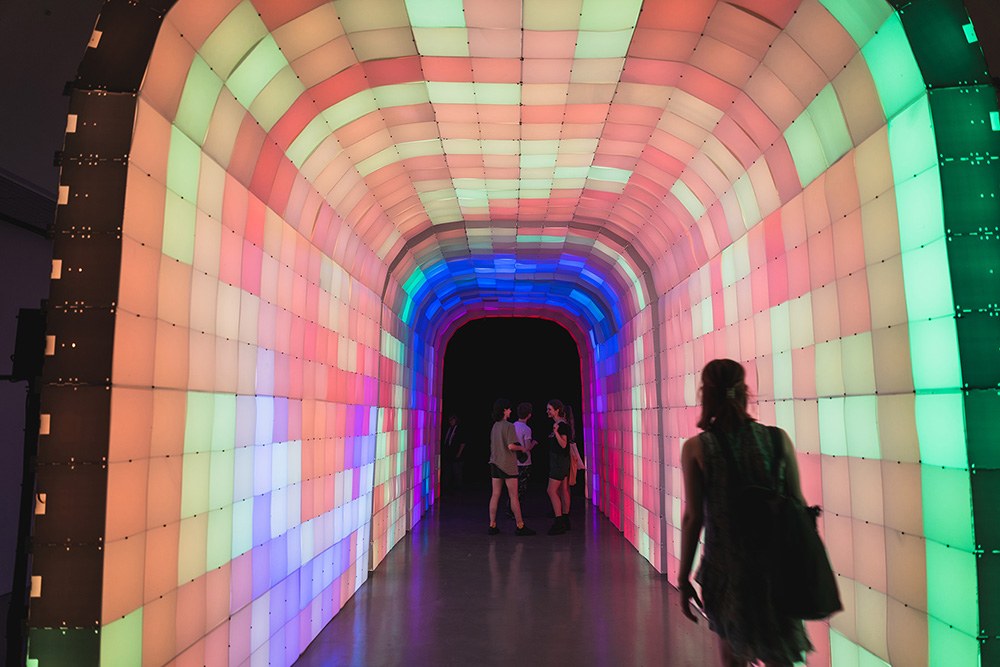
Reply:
x=557 y=528
x=524 y=531
x=565 y=518
x=494 y=530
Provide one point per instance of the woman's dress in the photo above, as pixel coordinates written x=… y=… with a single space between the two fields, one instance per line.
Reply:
x=734 y=592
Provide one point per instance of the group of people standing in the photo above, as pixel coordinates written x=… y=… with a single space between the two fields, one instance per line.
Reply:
x=731 y=451
x=510 y=462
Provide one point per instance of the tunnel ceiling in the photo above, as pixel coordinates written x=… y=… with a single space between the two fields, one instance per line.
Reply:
x=449 y=145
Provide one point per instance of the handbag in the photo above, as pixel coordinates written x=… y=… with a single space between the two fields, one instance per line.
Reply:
x=574 y=453
x=780 y=535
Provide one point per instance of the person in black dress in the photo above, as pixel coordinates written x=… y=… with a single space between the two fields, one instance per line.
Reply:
x=558 y=488
x=734 y=593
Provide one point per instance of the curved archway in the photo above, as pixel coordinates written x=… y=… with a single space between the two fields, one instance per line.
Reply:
x=266 y=231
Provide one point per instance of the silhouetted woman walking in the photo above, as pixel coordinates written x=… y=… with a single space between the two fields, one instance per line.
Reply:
x=734 y=592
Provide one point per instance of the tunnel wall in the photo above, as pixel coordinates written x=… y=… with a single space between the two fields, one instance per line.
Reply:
x=263 y=429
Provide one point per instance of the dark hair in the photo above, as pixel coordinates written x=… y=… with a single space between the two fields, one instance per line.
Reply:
x=523 y=410
x=571 y=420
x=724 y=396
x=558 y=406
x=499 y=406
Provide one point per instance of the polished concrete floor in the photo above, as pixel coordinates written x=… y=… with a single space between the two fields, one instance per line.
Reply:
x=449 y=594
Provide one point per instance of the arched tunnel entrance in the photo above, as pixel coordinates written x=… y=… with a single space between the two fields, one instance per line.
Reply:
x=521 y=359
x=272 y=215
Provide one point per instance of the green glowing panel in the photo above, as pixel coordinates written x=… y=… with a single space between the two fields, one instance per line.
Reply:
x=934 y=350
x=400 y=94
x=747 y=198
x=256 y=71
x=612 y=174
x=947 y=507
x=782 y=373
x=928 y=287
x=496 y=93
x=941 y=429
x=198 y=425
x=920 y=210
x=688 y=199
x=894 y=70
x=183 y=165
x=831 y=128
x=571 y=172
x=539 y=161
x=220 y=536
x=223 y=422
x=806 y=149
x=845 y=653
x=233 y=39
x=911 y=141
x=594 y=44
x=447 y=42
x=379 y=160
x=276 y=98
x=242 y=527
x=860 y=18
x=221 y=472
x=609 y=16
x=194 y=484
x=950 y=646
x=411 y=149
x=179 y=217
x=350 y=109
x=121 y=640
x=861 y=426
x=970 y=33
x=832 y=429
x=201 y=91
x=311 y=136
x=951 y=588
x=436 y=13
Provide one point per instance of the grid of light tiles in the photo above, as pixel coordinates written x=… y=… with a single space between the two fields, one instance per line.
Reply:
x=320 y=193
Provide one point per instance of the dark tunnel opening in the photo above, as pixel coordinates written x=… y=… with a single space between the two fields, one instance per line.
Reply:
x=521 y=359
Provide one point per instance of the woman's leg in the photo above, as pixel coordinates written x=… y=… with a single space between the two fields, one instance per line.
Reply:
x=553 y=491
x=495 y=500
x=515 y=502
x=564 y=494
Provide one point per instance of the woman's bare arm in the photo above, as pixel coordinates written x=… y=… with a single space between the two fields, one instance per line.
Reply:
x=792 y=479
x=693 y=519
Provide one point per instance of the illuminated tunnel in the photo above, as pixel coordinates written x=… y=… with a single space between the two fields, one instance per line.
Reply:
x=273 y=215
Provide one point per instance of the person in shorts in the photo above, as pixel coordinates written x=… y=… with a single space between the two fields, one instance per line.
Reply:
x=503 y=466
x=558 y=490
